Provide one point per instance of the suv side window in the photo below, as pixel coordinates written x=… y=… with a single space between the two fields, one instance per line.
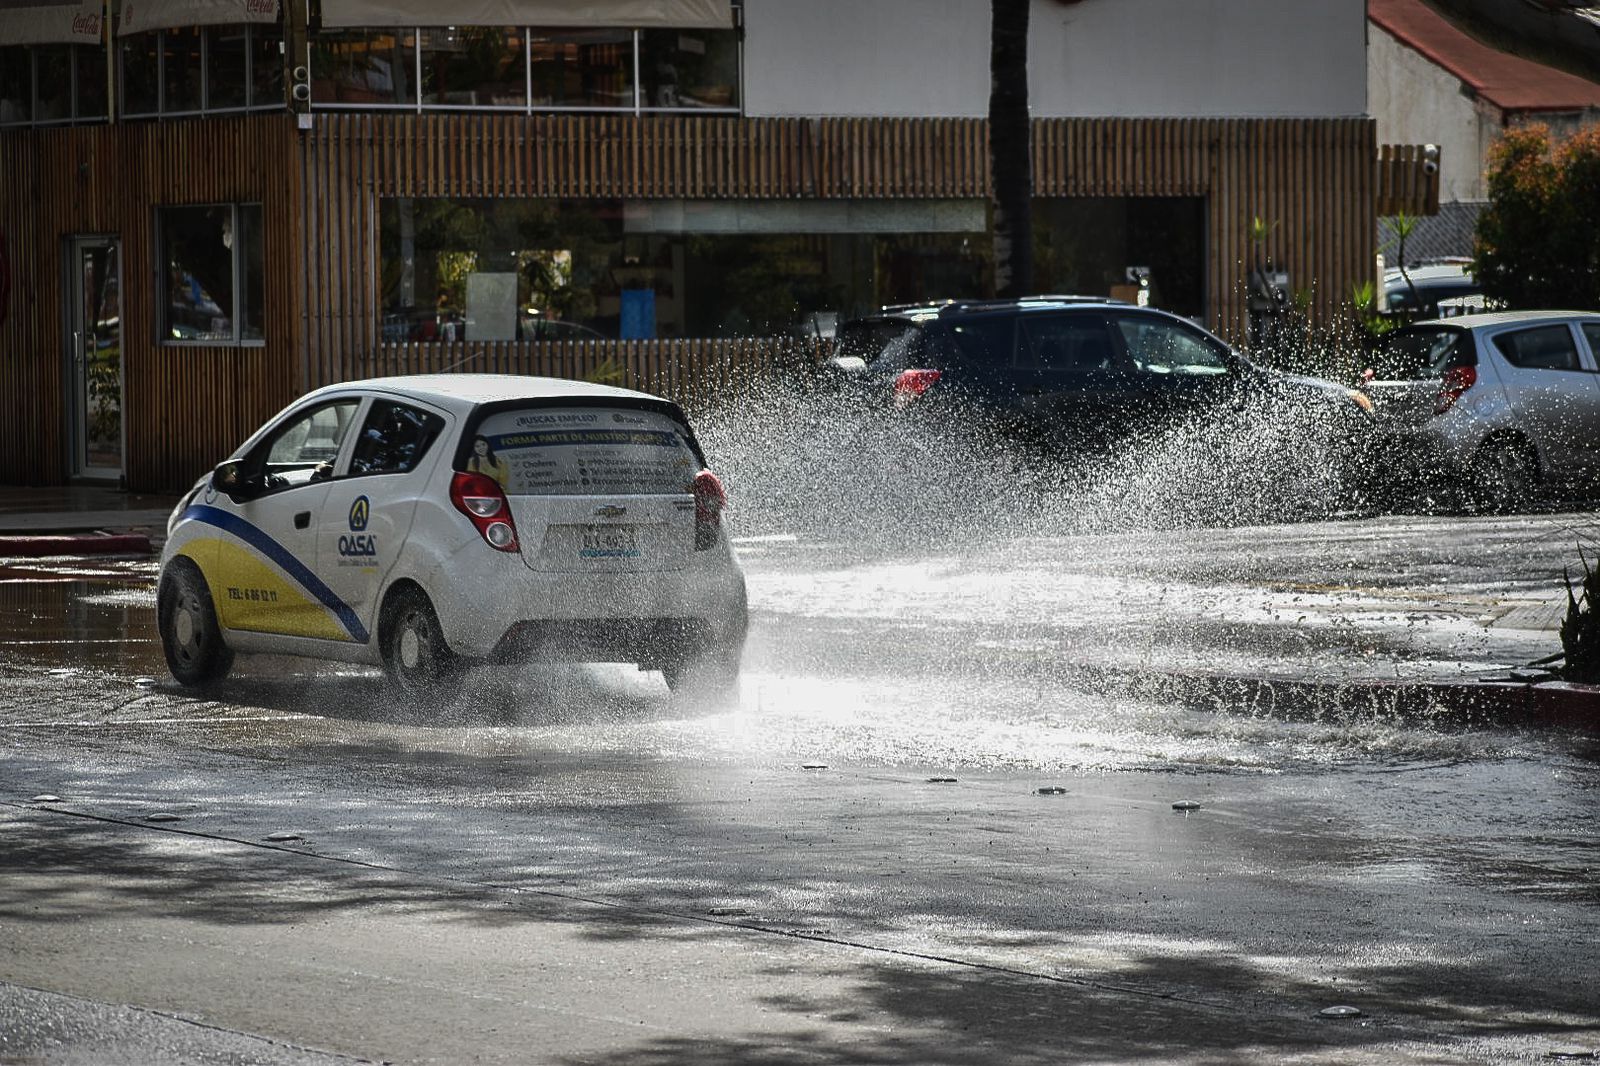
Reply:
x=393 y=439
x=987 y=341
x=1159 y=346
x=1073 y=344
x=1540 y=348
x=304 y=449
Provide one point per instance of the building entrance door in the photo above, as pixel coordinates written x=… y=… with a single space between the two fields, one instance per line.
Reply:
x=94 y=358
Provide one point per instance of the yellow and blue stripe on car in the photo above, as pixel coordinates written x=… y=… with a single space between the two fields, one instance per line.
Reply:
x=261 y=586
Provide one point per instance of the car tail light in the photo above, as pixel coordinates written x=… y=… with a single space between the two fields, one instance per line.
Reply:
x=710 y=500
x=1457 y=379
x=913 y=383
x=481 y=499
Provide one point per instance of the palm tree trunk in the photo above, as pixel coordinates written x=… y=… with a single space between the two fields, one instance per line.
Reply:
x=1010 y=154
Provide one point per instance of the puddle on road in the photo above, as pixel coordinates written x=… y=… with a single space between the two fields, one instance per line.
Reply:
x=76 y=615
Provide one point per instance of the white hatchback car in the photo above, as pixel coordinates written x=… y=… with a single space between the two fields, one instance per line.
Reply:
x=429 y=522
x=1498 y=406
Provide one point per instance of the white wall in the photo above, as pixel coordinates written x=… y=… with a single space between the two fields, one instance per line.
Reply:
x=1094 y=57
x=1417 y=102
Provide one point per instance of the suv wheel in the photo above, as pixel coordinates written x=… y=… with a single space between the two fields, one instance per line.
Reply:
x=1505 y=476
x=415 y=655
x=187 y=620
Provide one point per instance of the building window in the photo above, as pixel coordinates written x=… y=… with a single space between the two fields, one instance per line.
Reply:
x=52 y=84
x=527 y=69
x=211 y=274
x=364 y=67
x=689 y=69
x=210 y=70
x=583 y=68
x=478 y=66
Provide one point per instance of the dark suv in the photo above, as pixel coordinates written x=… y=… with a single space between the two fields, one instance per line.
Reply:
x=1074 y=369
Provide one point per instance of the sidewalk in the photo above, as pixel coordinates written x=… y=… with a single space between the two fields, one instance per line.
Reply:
x=81 y=520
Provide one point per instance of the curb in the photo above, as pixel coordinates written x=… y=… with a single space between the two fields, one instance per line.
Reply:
x=34 y=547
x=1562 y=704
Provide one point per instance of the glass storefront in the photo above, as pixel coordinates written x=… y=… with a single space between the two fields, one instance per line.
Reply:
x=1088 y=245
x=608 y=269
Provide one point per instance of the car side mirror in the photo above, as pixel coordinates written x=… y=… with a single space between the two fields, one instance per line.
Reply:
x=234 y=480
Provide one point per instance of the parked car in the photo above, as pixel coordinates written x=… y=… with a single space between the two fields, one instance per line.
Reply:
x=428 y=522
x=1074 y=371
x=1498 y=406
x=1432 y=290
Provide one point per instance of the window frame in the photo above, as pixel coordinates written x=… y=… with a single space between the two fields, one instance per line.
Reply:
x=251 y=105
x=73 y=118
x=236 y=264
x=1524 y=327
x=636 y=107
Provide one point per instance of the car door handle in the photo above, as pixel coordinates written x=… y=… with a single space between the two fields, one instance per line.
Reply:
x=302 y=520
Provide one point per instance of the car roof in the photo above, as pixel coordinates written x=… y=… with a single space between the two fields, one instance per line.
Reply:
x=947 y=308
x=1421 y=275
x=1502 y=318
x=462 y=392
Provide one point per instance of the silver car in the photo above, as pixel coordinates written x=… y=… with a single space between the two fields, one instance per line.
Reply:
x=1499 y=407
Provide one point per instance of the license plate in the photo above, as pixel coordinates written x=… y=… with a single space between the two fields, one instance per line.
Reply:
x=609 y=542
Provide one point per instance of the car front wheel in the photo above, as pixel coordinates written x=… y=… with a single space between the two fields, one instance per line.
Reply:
x=415 y=655
x=187 y=619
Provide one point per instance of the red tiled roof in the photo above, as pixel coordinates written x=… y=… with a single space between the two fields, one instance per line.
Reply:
x=1509 y=82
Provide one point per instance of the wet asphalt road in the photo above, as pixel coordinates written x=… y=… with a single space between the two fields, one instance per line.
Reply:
x=858 y=863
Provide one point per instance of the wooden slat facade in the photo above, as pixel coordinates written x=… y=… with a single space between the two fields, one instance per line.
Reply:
x=1315 y=179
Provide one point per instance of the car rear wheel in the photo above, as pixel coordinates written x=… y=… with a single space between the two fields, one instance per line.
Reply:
x=1505 y=476
x=187 y=619
x=710 y=674
x=415 y=655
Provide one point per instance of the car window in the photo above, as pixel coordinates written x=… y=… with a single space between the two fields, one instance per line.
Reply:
x=394 y=438
x=1066 y=344
x=1591 y=332
x=1161 y=347
x=1421 y=354
x=872 y=339
x=988 y=341
x=1540 y=348
x=583 y=452
x=310 y=439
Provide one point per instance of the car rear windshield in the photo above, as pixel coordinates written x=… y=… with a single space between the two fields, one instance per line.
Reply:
x=588 y=451
x=1422 y=354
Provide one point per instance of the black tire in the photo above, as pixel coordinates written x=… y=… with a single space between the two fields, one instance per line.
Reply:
x=186 y=617
x=710 y=674
x=1505 y=476
x=415 y=656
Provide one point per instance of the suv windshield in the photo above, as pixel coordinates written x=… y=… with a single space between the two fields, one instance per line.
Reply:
x=1421 y=354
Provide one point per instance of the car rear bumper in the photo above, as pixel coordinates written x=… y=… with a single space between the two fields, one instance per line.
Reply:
x=598 y=618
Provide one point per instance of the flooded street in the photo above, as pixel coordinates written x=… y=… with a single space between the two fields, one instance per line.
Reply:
x=943 y=809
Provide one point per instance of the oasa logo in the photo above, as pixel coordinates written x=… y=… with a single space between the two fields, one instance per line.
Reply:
x=359 y=510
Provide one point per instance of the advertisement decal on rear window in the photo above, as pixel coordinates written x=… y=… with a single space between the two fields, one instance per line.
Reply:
x=590 y=452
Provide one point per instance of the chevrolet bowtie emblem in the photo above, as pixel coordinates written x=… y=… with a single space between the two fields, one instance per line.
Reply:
x=610 y=511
